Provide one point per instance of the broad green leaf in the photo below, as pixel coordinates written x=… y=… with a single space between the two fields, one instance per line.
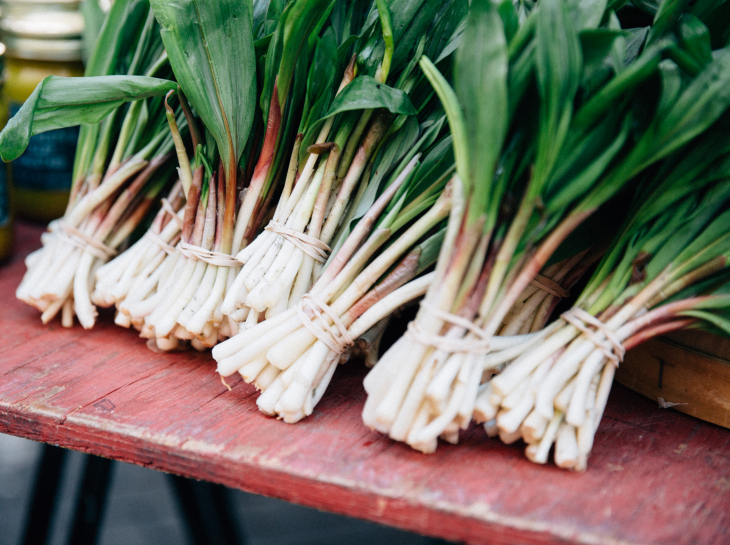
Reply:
x=721 y=323
x=481 y=85
x=365 y=93
x=698 y=106
x=647 y=6
x=510 y=18
x=599 y=63
x=124 y=17
x=65 y=102
x=115 y=33
x=320 y=79
x=586 y=14
x=625 y=82
x=695 y=39
x=442 y=36
x=666 y=17
x=210 y=45
x=94 y=18
x=634 y=42
x=457 y=124
x=558 y=62
x=300 y=21
x=716 y=16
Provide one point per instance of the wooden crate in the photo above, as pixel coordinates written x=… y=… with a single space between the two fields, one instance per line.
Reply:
x=687 y=367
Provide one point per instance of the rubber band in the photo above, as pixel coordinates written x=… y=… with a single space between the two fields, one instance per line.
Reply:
x=167 y=207
x=578 y=318
x=209 y=256
x=311 y=312
x=549 y=285
x=164 y=246
x=83 y=241
x=308 y=244
x=471 y=345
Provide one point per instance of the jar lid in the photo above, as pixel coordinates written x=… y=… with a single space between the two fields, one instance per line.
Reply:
x=43 y=34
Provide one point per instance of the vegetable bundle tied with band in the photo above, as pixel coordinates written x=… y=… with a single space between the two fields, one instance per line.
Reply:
x=336 y=160
x=387 y=236
x=543 y=142
x=123 y=159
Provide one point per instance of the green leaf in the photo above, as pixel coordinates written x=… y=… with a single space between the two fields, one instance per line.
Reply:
x=647 y=6
x=558 y=63
x=455 y=115
x=210 y=45
x=442 y=36
x=121 y=24
x=65 y=102
x=300 y=21
x=94 y=18
x=695 y=39
x=599 y=52
x=365 y=93
x=124 y=17
x=481 y=84
x=716 y=15
x=320 y=79
x=721 y=324
x=694 y=110
x=586 y=14
x=510 y=19
x=666 y=17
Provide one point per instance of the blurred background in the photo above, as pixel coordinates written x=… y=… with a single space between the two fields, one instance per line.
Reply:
x=144 y=506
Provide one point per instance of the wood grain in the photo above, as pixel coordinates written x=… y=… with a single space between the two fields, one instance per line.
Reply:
x=655 y=476
x=687 y=373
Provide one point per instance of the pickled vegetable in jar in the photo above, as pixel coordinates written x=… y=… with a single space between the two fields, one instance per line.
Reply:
x=42 y=39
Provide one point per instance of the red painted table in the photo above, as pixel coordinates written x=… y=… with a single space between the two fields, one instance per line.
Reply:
x=655 y=476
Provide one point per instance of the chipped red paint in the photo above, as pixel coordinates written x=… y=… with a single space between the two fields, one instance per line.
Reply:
x=655 y=476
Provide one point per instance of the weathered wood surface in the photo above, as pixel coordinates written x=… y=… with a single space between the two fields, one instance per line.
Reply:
x=683 y=369
x=655 y=476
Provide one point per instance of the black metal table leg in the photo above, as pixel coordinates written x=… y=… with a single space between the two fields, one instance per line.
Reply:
x=207 y=512
x=45 y=494
x=91 y=500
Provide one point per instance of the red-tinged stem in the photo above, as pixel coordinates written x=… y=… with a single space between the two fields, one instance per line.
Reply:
x=377 y=129
x=229 y=214
x=176 y=198
x=651 y=332
x=220 y=226
x=668 y=311
x=403 y=272
x=360 y=232
x=260 y=173
x=320 y=205
x=75 y=195
x=262 y=212
x=534 y=266
x=191 y=206
x=129 y=194
x=703 y=271
x=211 y=216
x=250 y=161
x=129 y=223
x=197 y=235
x=192 y=124
x=472 y=305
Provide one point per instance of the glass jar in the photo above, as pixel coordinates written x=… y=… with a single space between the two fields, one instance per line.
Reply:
x=6 y=213
x=42 y=39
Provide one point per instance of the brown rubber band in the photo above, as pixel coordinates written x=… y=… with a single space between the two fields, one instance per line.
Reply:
x=311 y=312
x=550 y=286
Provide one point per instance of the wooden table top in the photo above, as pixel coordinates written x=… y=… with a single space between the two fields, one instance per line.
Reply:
x=655 y=475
